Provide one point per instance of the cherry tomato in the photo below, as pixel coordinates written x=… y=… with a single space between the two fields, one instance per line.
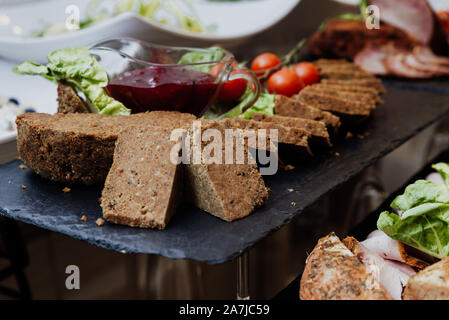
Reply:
x=265 y=61
x=443 y=16
x=307 y=72
x=231 y=90
x=285 y=82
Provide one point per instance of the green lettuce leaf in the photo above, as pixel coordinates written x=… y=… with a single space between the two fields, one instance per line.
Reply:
x=77 y=67
x=425 y=228
x=424 y=222
x=265 y=105
x=202 y=56
x=422 y=191
x=32 y=68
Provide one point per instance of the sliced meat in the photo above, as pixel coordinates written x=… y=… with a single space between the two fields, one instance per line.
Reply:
x=411 y=16
x=396 y=66
x=333 y=272
x=436 y=69
x=381 y=244
x=371 y=59
x=425 y=55
x=344 y=39
x=378 y=242
x=392 y=277
x=435 y=177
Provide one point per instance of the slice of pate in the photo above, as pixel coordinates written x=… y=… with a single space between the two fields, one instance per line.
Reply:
x=144 y=185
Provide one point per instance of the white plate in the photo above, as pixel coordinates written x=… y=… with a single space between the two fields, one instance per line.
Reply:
x=31 y=91
x=7 y=137
x=234 y=21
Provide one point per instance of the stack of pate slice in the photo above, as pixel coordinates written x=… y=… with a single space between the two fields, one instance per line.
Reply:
x=132 y=153
x=144 y=184
x=143 y=187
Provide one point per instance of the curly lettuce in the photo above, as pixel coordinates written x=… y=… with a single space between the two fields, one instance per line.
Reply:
x=424 y=222
x=264 y=104
x=192 y=57
x=77 y=67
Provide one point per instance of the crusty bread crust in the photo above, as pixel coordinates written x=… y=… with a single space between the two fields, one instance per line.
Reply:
x=289 y=107
x=71 y=154
x=333 y=272
x=432 y=283
x=408 y=259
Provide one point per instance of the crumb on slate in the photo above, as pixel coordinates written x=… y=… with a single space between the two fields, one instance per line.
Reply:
x=337 y=154
x=24 y=186
x=83 y=218
x=99 y=222
x=289 y=167
x=66 y=189
x=23 y=167
x=349 y=135
x=293 y=204
x=360 y=136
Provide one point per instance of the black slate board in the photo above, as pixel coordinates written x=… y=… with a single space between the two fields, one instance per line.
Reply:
x=196 y=235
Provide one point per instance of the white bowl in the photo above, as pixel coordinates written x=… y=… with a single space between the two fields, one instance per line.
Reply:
x=235 y=22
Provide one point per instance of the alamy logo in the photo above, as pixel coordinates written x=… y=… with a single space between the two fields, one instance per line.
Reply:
x=72 y=282
x=228 y=146
x=72 y=22
x=372 y=20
